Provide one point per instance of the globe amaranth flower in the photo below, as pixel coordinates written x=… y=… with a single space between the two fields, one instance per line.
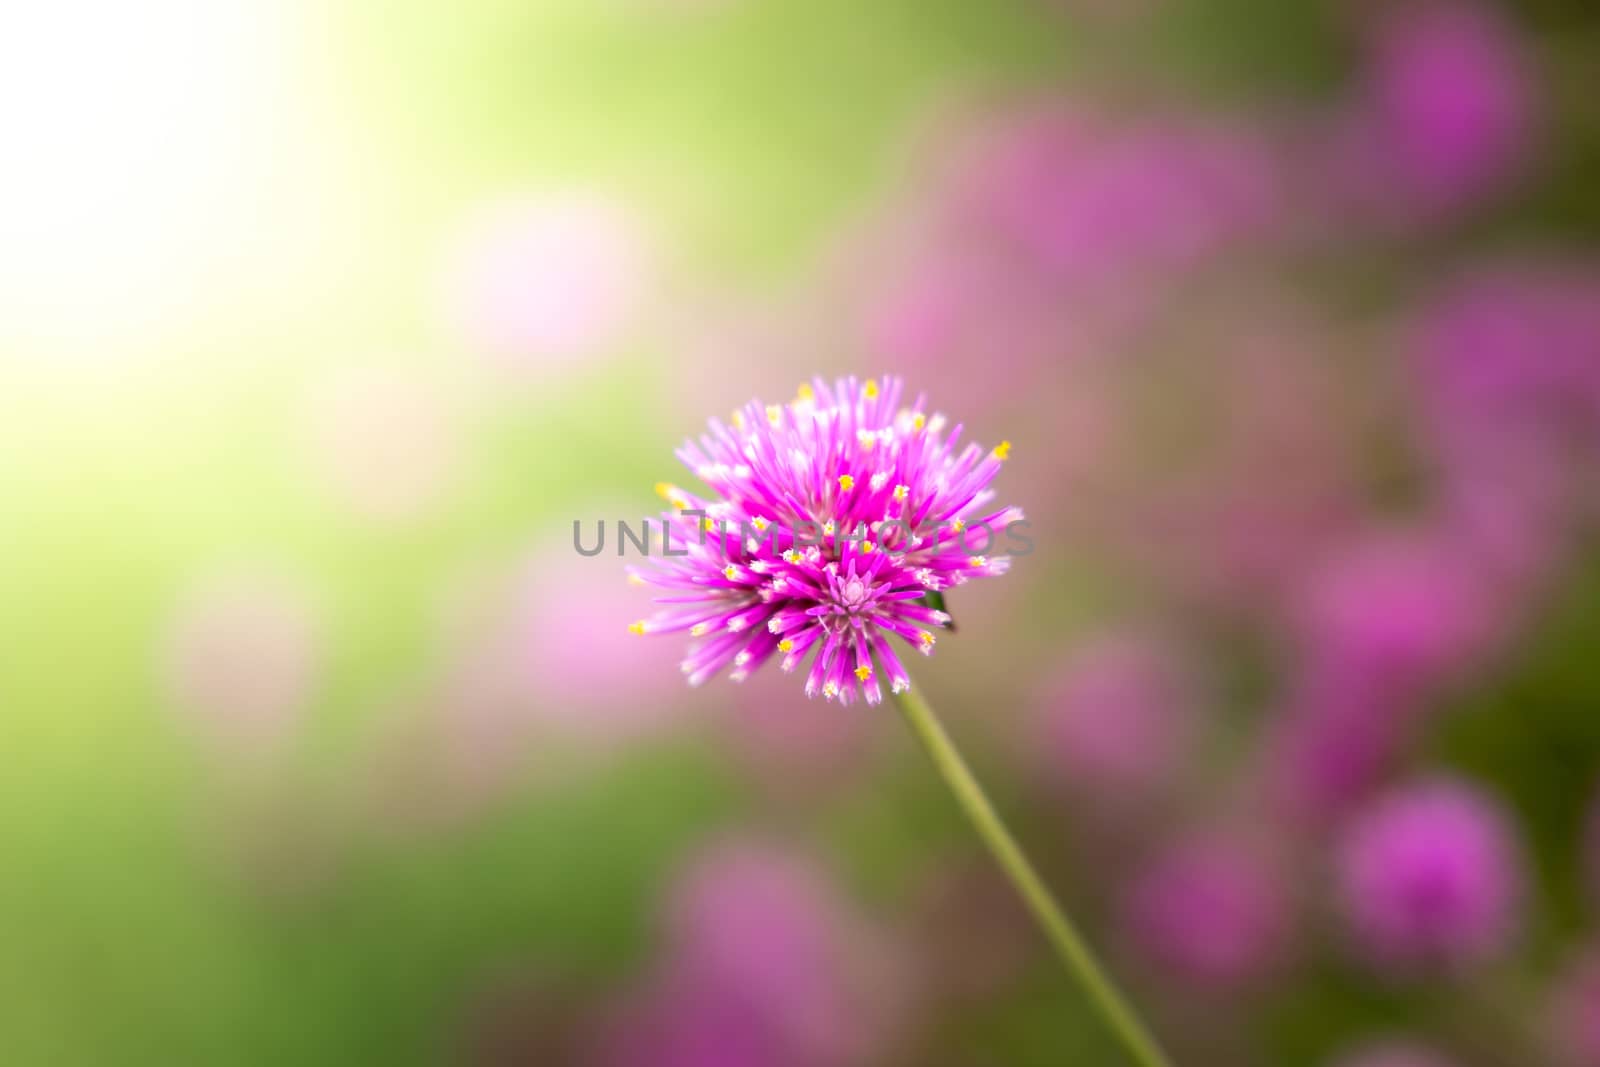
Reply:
x=829 y=520
x=1432 y=876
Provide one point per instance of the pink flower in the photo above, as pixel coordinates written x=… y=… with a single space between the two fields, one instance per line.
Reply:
x=1328 y=746
x=1397 y=613
x=1091 y=196
x=1452 y=98
x=526 y=656
x=1432 y=875
x=830 y=519
x=1212 y=909
x=765 y=965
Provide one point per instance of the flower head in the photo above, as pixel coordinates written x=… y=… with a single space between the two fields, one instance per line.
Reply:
x=1432 y=875
x=1453 y=97
x=802 y=547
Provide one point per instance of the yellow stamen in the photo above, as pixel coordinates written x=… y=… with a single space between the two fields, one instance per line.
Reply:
x=927 y=639
x=901 y=491
x=870 y=391
x=918 y=421
x=738 y=419
x=774 y=414
x=730 y=572
x=786 y=645
x=846 y=482
x=863 y=672
x=699 y=629
x=958 y=525
x=828 y=528
x=791 y=556
x=867 y=548
x=805 y=394
x=638 y=627
x=760 y=524
x=977 y=561
x=708 y=524
x=1002 y=451
x=634 y=579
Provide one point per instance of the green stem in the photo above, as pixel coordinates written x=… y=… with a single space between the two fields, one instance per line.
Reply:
x=1080 y=961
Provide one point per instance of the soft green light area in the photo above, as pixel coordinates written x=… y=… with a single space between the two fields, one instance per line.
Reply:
x=157 y=909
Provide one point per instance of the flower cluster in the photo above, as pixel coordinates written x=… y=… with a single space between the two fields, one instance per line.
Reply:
x=829 y=521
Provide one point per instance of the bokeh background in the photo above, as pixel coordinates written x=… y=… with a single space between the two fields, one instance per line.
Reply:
x=320 y=324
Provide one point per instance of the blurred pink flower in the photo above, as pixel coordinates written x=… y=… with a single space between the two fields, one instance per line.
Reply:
x=1451 y=100
x=531 y=649
x=1327 y=746
x=1050 y=234
x=386 y=443
x=242 y=657
x=763 y=967
x=1117 y=719
x=1393 y=1054
x=1097 y=197
x=1431 y=875
x=1395 y=612
x=1506 y=362
x=537 y=281
x=675 y=1025
x=1212 y=909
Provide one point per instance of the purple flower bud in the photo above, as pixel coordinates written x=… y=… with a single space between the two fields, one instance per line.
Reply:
x=1431 y=875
